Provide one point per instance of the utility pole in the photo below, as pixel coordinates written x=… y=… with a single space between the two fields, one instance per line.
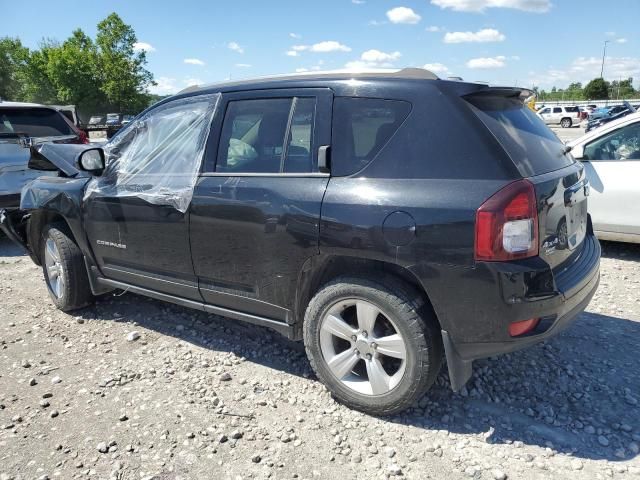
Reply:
x=604 y=53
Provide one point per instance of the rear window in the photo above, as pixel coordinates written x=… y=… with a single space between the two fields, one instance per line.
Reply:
x=527 y=140
x=33 y=122
x=361 y=128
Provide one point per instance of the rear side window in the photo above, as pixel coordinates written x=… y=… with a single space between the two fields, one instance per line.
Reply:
x=531 y=145
x=33 y=122
x=571 y=109
x=557 y=110
x=271 y=135
x=361 y=128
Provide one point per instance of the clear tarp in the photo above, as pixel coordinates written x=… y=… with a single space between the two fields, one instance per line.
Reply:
x=158 y=156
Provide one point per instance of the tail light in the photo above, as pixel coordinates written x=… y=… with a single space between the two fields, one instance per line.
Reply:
x=82 y=136
x=507 y=224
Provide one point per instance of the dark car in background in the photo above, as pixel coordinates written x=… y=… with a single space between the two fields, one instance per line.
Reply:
x=21 y=126
x=341 y=209
x=615 y=113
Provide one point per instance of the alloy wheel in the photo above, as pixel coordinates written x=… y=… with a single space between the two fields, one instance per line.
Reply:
x=54 y=268
x=362 y=347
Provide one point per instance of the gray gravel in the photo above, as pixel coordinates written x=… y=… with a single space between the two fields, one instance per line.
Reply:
x=196 y=396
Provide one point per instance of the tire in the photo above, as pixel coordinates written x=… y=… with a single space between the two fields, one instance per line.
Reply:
x=69 y=287
x=400 y=308
x=566 y=123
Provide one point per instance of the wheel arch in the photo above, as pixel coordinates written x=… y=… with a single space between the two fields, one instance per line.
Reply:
x=318 y=271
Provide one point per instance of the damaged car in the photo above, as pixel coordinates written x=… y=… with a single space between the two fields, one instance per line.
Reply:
x=21 y=126
x=340 y=209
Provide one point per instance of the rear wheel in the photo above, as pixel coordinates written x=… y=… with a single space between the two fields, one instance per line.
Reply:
x=64 y=270
x=565 y=123
x=368 y=343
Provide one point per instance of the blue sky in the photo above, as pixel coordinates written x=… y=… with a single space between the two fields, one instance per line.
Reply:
x=523 y=42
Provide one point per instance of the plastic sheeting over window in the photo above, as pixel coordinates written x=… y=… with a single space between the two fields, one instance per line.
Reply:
x=157 y=158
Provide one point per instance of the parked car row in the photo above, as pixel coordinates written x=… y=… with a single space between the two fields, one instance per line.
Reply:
x=589 y=116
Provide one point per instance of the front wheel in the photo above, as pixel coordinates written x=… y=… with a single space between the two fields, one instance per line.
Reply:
x=64 y=269
x=565 y=123
x=373 y=344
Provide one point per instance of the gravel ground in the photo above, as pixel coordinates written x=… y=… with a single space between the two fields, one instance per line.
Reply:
x=133 y=388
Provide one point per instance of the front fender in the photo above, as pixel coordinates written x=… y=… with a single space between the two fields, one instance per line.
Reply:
x=47 y=198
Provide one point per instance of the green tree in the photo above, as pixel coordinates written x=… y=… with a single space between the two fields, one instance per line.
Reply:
x=124 y=78
x=105 y=74
x=13 y=62
x=596 y=89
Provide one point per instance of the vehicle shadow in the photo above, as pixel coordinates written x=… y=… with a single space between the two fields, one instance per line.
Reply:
x=8 y=248
x=621 y=251
x=563 y=393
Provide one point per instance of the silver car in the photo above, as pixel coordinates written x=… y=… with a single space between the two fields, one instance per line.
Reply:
x=23 y=125
x=564 y=116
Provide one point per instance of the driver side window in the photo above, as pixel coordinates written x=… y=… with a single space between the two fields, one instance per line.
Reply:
x=621 y=144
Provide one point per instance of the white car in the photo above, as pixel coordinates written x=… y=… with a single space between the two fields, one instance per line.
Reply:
x=611 y=156
x=563 y=116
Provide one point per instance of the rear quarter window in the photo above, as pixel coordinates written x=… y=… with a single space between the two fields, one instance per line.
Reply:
x=34 y=122
x=531 y=145
x=361 y=128
x=571 y=109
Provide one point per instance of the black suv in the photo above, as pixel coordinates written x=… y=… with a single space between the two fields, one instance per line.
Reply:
x=388 y=219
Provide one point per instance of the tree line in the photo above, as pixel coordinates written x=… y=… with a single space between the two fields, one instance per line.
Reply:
x=596 y=89
x=105 y=74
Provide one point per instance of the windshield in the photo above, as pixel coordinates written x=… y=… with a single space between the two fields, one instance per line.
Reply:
x=33 y=122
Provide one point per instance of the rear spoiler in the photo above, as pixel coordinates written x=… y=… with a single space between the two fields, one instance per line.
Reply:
x=504 y=92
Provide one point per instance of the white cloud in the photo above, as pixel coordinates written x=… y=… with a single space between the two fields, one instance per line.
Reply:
x=537 y=6
x=481 y=36
x=358 y=2
x=235 y=47
x=297 y=36
x=243 y=65
x=193 y=61
x=171 y=86
x=621 y=40
x=584 y=69
x=373 y=59
x=377 y=23
x=301 y=70
x=164 y=86
x=376 y=56
x=437 y=68
x=292 y=53
x=321 y=47
x=403 y=15
x=190 y=81
x=143 y=47
x=487 y=62
x=433 y=28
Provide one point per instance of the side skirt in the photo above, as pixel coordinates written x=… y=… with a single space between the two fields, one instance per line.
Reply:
x=282 y=328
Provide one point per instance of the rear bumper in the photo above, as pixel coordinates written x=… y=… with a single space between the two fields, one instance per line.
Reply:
x=573 y=289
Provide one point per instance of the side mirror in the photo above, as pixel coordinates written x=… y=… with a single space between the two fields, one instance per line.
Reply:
x=92 y=161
